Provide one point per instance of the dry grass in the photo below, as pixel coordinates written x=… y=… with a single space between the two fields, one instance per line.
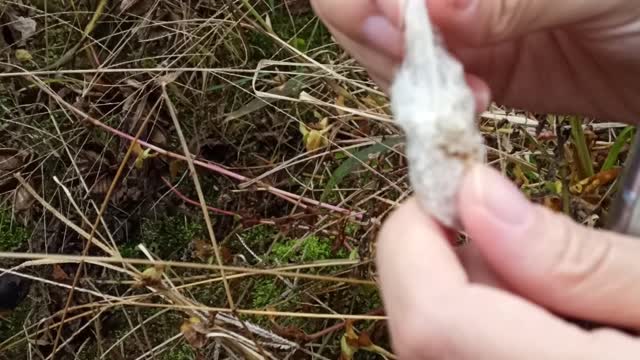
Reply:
x=161 y=200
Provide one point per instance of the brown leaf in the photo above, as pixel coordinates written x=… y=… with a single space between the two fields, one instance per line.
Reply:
x=192 y=331
x=58 y=274
x=23 y=200
x=25 y=26
x=592 y=184
x=151 y=276
x=203 y=249
x=364 y=340
x=176 y=167
x=12 y=159
x=553 y=202
x=158 y=137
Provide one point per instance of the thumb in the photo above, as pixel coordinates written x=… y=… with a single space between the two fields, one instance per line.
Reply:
x=543 y=256
x=483 y=22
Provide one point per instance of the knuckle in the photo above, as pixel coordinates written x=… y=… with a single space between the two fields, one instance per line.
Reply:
x=504 y=18
x=580 y=256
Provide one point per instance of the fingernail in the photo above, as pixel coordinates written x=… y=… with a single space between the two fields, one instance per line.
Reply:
x=382 y=35
x=500 y=197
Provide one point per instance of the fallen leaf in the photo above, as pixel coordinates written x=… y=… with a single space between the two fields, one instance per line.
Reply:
x=25 y=26
x=58 y=274
x=191 y=329
x=553 y=202
x=12 y=159
x=203 y=249
x=315 y=137
x=151 y=276
x=176 y=167
x=23 y=199
x=593 y=183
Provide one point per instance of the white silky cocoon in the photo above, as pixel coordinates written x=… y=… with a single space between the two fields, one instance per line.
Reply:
x=435 y=108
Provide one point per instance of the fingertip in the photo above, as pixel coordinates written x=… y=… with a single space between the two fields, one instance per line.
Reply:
x=481 y=91
x=410 y=241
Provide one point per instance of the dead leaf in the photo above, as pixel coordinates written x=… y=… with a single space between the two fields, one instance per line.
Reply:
x=553 y=202
x=176 y=167
x=158 y=137
x=193 y=332
x=58 y=274
x=593 y=183
x=151 y=276
x=25 y=26
x=203 y=249
x=23 y=199
x=12 y=159
x=315 y=137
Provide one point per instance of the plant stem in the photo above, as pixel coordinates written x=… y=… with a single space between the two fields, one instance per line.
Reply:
x=582 y=150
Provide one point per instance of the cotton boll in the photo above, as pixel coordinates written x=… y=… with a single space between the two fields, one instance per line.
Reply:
x=434 y=106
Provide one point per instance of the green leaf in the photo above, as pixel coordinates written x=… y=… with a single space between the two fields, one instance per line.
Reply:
x=299 y=43
x=616 y=148
x=354 y=161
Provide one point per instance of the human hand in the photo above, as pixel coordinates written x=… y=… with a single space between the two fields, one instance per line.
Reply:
x=497 y=297
x=548 y=56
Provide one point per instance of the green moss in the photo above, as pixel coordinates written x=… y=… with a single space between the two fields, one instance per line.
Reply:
x=181 y=352
x=368 y=298
x=129 y=251
x=13 y=323
x=12 y=235
x=265 y=292
x=258 y=239
x=311 y=248
x=169 y=236
x=303 y=31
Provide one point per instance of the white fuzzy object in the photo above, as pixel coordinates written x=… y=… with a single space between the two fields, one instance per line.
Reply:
x=434 y=106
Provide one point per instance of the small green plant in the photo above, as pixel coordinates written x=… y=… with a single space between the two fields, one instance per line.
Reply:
x=311 y=248
x=12 y=235
x=181 y=352
x=170 y=235
x=265 y=292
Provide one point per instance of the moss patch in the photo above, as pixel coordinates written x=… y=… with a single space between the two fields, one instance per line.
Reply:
x=12 y=235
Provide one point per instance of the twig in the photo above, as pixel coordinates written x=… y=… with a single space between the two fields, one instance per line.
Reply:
x=196 y=183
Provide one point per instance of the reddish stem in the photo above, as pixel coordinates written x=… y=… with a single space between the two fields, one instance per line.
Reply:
x=193 y=202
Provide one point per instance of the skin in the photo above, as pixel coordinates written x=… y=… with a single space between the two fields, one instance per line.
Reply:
x=505 y=296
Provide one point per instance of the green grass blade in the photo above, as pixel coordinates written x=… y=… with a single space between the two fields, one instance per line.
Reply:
x=582 y=150
x=616 y=148
x=354 y=161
